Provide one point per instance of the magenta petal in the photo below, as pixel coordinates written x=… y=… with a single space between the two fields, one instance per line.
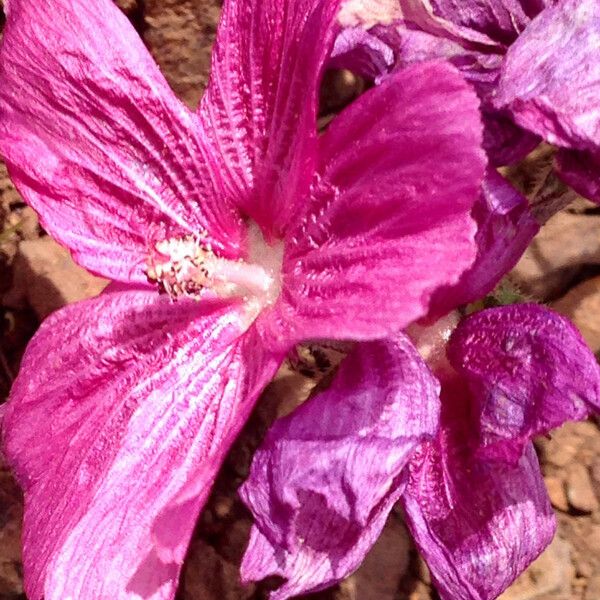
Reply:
x=389 y=218
x=96 y=141
x=504 y=141
x=531 y=371
x=261 y=103
x=477 y=525
x=123 y=407
x=323 y=482
x=580 y=170
x=505 y=227
x=550 y=78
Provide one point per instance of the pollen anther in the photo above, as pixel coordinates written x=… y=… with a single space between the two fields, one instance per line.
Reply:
x=186 y=267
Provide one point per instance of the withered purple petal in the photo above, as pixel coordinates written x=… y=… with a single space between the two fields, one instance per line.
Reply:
x=530 y=370
x=549 y=78
x=370 y=53
x=323 y=482
x=473 y=35
x=500 y=20
x=478 y=524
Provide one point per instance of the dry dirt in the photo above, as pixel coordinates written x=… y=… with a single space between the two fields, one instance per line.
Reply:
x=561 y=267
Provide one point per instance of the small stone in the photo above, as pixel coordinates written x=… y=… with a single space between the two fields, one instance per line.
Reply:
x=223 y=507
x=421 y=591
x=560 y=449
x=562 y=247
x=582 y=306
x=547 y=578
x=580 y=492
x=207 y=575
x=592 y=591
x=582 y=205
x=556 y=492
x=28 y=223
x=380 y=574
x=584 y=569
x=46 y=278
x=127 y=6
x=346 y=590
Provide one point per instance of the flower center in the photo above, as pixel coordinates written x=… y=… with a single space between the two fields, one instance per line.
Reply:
x=187 y=267
x=431 y=340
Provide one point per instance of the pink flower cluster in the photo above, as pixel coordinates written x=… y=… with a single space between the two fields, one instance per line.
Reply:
x=235 y=232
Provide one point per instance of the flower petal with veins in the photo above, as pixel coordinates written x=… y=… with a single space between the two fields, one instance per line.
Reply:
x=379 y=224
x=477 y=524
x=121 y=403
x=549 y=78
x=323 y=482
x=550 y=82
x=531 y=371
x=260 y=107
x=97 y=143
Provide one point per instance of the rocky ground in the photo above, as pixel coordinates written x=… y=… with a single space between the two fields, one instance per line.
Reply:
x=561 y=268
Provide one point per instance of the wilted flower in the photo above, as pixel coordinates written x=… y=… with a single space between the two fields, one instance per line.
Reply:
x=550 y=84
x=532 y=62
x=470 y=484
x=258 y=233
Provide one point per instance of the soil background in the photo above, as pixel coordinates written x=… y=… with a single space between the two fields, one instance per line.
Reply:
x=561 y=268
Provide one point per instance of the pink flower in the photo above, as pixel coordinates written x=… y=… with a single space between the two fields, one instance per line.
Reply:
x=264 y=233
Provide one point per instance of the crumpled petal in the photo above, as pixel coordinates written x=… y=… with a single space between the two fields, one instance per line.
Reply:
x=500 y=20
x=260 y=106
x=438 y=18
x=550 y=77
x=580 y=170
x=478 y=524
x=421 y=36
x=389 y=218
x=323 y=482
x=98 y=144
x=369 y=54
x=376 y=52
x=531 y=371
x=505 y=227
x=122 y=403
